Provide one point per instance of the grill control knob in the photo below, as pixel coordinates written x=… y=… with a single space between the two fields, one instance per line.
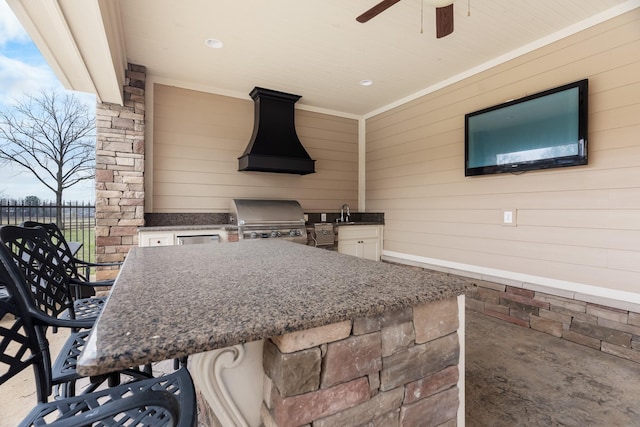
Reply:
x=275 y=234
x=254 y=235
x=292 y=233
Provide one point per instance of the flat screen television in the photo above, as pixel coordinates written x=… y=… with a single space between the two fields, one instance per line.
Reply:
x=544 y=130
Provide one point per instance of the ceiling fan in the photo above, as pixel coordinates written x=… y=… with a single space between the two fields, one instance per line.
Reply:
x=444 y=14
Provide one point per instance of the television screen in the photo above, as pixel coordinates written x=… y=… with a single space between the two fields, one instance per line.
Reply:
x=544 y=130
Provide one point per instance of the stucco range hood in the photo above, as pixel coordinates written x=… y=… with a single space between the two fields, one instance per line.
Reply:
x=274 y=145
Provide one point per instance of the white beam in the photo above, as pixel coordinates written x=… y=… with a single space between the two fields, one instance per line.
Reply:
x=83 y=45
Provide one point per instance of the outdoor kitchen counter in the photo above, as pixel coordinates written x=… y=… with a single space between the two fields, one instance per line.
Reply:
x=221 y=304
x=189 y=227
x=175 y=301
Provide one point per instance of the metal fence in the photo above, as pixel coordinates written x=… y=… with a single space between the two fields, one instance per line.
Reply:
x=78 y=221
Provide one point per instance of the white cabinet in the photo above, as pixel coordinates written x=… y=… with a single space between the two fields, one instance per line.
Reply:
x=180 y=236
x=363 y=248
x=364 y=241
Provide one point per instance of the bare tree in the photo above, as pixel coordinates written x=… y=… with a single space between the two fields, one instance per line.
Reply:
x=51 y=135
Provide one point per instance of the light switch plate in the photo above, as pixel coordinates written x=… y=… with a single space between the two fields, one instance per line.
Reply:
x=323 y=217
x=509 y=217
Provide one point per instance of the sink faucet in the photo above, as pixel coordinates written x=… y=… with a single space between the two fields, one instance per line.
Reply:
x=342 y=215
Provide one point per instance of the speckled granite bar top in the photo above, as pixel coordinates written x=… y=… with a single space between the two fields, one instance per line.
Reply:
x=177 y=300
x=189 y=227
x=184 y=218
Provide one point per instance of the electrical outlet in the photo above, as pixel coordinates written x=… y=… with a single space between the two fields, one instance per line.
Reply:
x=323 y=217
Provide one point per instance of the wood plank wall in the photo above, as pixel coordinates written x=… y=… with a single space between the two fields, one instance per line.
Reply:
x=198 y=137
x=579 y=224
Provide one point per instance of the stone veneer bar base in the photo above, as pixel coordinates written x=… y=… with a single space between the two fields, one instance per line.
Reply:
x=608 y=325
x=611 y=330
x=397 y=369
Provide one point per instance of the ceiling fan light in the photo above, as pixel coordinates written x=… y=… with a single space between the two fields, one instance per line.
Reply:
x=438 y=3
x=214 y=43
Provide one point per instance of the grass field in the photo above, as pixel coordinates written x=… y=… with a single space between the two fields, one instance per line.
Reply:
x=86 y=236
x=81 y=231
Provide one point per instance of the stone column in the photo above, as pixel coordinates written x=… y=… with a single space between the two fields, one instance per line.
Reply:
x=120 y=172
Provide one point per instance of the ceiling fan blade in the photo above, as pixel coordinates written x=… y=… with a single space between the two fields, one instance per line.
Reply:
x=376 y=10
x=444 y=21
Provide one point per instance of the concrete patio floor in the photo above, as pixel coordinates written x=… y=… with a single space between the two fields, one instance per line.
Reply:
x=514 y=377
x=522 y=377
x=18 y=395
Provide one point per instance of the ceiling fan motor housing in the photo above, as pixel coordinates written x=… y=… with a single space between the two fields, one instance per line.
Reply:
x=444 y=14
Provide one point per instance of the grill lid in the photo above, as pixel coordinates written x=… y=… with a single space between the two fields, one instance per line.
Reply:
x=265 y=212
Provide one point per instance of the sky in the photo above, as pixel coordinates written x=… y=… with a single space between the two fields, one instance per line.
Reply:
x=23 y=70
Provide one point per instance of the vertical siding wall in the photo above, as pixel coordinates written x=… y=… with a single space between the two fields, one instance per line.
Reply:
x=579 y=224
x=198 y=137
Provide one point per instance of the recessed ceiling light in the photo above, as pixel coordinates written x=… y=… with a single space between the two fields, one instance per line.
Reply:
x=366 y=82
x=214 y=43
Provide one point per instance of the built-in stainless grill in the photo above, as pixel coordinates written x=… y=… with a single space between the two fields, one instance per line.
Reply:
x=262 y=219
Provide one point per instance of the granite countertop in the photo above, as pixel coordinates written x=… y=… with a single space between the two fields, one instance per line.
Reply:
x=174 y=301
x=189 y=227
x=350 y=223
x=235 y=227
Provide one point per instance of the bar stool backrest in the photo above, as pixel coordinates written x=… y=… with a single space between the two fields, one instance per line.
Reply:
x=22 y=343
x=60 y=243
x=41 y=266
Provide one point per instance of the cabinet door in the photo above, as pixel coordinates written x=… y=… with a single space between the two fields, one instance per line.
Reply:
x=350 y=247
x=370 y=249
x=364 y=248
